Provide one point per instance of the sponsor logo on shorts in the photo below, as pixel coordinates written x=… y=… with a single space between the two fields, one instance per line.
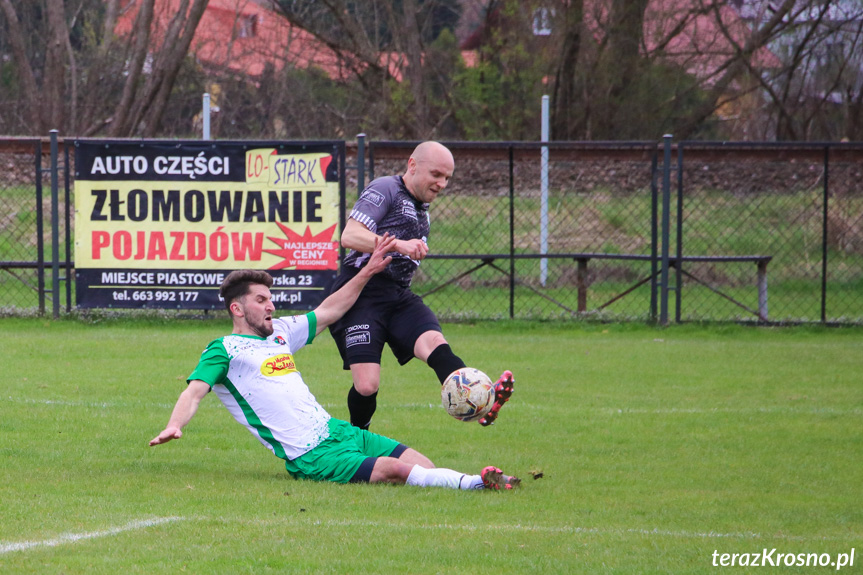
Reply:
x=281 y=364
x=356 y=327
x=372 y=197
x=358 y=338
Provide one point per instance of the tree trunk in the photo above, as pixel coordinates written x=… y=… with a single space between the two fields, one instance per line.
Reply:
x=623 y=57
x=413 y=49
x=168 y=65
x=54 y=81
x=565 y=96
x=142 y=106
x=120 y=123
x=29 y=91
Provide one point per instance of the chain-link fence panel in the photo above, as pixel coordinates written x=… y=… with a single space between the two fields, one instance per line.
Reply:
x=757 y=232
x=843 y=296
x=26 y=233
x=759 y=211
x=19 y=222
x=510 y=239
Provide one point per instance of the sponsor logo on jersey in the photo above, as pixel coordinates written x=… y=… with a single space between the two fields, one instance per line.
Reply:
x=409 y=210
x=281 y=364
x=358 y=338
x=372 y=197
x=280 y=340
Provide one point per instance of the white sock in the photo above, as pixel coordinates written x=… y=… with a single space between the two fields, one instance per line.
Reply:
x=440 y=477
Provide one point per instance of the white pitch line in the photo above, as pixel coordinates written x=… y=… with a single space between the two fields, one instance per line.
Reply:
x=98 y=404
x=654 y=411
x=779 y=410
x=75 y=537
x=568 y=529
x=549 y=529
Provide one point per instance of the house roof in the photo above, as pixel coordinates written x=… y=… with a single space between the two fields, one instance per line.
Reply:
x=702 y=46
x=248 y=36
x=244 y=36
x=705 y=42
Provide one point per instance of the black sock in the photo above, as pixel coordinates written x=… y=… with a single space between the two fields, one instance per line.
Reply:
x=443 y=361
x=361 y=407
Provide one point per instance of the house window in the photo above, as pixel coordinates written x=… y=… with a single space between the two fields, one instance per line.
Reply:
x=248 y=26
x=542 y=21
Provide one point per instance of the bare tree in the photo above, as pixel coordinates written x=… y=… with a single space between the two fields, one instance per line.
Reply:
x=383 y=43
x=144 y=99
x=565 y=96
x=624 y=65
x=816 y=92
x=26 y=77
x=125 y=83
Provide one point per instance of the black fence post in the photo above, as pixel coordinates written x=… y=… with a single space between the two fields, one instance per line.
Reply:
x=666 y=207
x=361 y=163
x=68 y=220
x=511 y=234
x=654 y=234
x=678 y=270
x=824 y=235
x=55 y=228
x=371 y=162
x=40 y=230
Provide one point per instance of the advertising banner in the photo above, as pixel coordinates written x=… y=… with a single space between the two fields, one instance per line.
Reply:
x=159 y=224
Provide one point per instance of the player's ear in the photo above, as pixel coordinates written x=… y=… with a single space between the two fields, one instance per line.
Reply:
x=236 y=308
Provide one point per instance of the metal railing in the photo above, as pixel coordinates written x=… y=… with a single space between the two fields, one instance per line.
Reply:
x=648 y=231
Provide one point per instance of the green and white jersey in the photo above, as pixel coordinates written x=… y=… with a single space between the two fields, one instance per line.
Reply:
x=258 y=381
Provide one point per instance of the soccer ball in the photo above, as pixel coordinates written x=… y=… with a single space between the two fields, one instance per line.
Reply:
x=467 y=394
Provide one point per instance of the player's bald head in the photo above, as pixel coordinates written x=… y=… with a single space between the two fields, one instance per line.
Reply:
x=428 y=172
x=433 y=152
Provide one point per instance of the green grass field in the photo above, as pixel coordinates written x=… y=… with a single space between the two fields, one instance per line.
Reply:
x=656 y=447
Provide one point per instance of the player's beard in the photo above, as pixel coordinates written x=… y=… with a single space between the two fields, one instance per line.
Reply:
x=260 y=327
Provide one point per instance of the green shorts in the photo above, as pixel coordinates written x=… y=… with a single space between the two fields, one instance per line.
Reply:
x=339 y=456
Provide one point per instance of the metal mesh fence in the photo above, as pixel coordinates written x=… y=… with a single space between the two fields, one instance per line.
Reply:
x=774 y=202
x=844 y=237
x=27 y=240
x=510 y=240
x=19 y=213
x=757 y=232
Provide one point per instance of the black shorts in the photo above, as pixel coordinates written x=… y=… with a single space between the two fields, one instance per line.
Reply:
x=384 y=313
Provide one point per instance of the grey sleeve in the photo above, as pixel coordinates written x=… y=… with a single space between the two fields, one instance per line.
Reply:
x=372 y=206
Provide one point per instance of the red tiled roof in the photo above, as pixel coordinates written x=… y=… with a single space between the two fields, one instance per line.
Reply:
x=269 y=39
x=701 y=46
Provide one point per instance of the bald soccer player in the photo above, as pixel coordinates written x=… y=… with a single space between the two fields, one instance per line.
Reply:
x=387 y=311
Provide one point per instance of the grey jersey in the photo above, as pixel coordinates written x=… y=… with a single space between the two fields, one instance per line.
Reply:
x=387 y=206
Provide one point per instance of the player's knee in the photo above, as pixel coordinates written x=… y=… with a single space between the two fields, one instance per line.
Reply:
x=414 y=457
x=366 y=387
x=391 y=470
x=367 y=377
x=427 y=343
x=434 y=338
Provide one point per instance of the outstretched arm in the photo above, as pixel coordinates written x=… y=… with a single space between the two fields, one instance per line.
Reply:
x=338 y=303
x=357 y=236
x=184 y=410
